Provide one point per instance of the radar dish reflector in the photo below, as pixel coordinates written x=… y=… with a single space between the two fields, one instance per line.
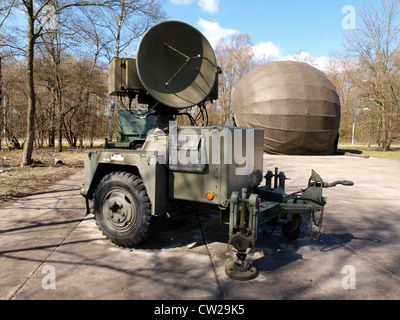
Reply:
x=176 y=64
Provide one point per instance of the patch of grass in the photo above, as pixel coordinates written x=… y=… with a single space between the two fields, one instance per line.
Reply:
x=17 y=181
x=372 y=152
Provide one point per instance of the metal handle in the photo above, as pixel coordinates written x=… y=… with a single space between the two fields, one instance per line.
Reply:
x=342 y=182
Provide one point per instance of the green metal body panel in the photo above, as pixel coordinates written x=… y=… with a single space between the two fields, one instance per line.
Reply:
x=220 y=176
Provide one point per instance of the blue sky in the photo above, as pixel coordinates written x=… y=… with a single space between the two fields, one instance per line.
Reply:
x=278 y=28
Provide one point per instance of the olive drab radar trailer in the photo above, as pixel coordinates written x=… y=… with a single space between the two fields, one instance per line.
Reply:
x=131 y=183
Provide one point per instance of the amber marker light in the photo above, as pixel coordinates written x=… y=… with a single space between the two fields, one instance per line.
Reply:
x=210 y=196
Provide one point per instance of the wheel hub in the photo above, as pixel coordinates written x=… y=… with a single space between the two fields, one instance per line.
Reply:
x=118 y=210
x=118 y=214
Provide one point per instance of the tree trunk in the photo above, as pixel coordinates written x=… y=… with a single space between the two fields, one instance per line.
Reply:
x=1 y=99
x=52 y=129
x=30 y=127
x=61 y=115
x=60 y=132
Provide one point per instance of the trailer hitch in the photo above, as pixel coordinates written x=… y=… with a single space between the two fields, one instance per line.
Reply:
x=316 y=178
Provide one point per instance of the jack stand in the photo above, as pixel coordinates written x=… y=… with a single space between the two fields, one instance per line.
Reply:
x=241 y=270
x=243 y=226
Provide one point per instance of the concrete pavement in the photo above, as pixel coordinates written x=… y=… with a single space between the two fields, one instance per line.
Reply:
x=50 y=250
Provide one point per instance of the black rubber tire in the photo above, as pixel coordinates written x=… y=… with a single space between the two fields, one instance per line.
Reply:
x=122 y=209
x=289 y=233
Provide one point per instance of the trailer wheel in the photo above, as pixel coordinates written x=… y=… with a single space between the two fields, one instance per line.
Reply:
x=289 y=232
x=122 y=208
x=291 y=229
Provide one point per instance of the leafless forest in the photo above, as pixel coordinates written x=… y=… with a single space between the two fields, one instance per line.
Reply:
x=54 y=60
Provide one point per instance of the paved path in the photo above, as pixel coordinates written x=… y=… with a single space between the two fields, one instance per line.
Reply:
x=47 y=234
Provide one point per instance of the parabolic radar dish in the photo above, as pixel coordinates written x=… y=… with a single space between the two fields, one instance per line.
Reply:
x=176 y=65
x=296 y=104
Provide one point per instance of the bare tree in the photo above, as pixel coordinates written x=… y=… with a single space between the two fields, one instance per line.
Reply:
x=235 y=58
x=88 y=85
x=113 y=28
x=40 y=15
x=1 y=103
x=14 y=103
x=374 y=47
x=37 y=14
x=117 y=25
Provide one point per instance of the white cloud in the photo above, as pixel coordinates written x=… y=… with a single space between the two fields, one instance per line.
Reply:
x=271 y=52
x=213 y=31
x=321 y=62
x=266 y=50
x=209 y=6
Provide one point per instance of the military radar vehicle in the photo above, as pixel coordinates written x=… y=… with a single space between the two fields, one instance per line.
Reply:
x=176 y=69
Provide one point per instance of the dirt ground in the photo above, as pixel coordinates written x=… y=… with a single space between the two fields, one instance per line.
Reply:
x=48 y=168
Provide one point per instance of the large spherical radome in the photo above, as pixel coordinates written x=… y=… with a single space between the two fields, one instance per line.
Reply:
x=296 y=104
